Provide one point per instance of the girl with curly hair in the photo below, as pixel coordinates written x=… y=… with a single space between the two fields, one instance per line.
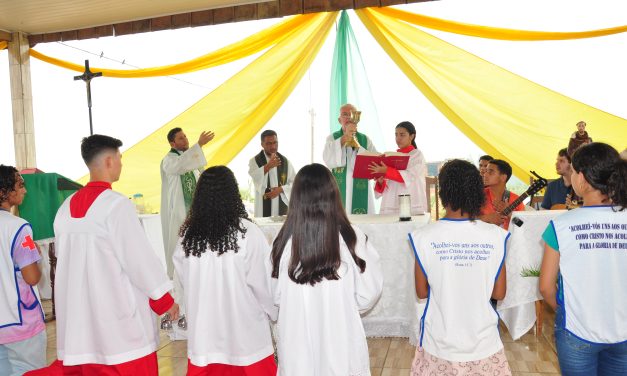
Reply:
x=459 y=267
x=325 y=272
x=586 y=253
x=220 y=262
x=22 y=328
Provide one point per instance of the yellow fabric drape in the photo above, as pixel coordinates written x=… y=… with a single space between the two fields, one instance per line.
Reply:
x=238 y=50
x=506 y=115
x=3 y=44
x=491 y=32
x=235 y=111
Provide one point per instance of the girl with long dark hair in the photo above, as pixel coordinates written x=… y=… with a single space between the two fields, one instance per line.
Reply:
x=325 y=272
x=220 y=260
x=586 y=253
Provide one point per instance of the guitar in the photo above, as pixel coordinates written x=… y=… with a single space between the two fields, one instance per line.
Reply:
x=534 y=188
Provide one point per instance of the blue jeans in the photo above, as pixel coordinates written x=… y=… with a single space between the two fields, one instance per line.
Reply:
x=580 y=358
x=26 y=355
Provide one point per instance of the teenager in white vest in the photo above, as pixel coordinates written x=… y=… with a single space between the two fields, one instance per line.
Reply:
x=180 y=169
x=586 y=253
x=411 y=181
x=110 y=286
x=22 y=328
x=273 y=175
x=220 y=261
x=340 y=156
x=324 y=274
x=459 y=267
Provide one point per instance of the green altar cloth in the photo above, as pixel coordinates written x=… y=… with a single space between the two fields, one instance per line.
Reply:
x=45 y=194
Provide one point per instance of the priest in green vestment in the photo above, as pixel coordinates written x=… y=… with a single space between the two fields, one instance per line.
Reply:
x=339 y=155
x=180 y=169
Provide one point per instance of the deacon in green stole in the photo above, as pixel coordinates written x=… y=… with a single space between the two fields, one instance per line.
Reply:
x=281 y=171
x=272 y=174
x=180 y=169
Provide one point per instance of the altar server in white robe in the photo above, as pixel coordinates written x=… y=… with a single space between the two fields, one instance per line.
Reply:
x=109 y=282
x=411 y=181
x=272 y=176
x=220 y=261
x=339 y=155
x=180 y=169
x=324 y=274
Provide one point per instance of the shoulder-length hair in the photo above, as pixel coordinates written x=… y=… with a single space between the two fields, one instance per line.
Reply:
x=315 y=220
x=215 y=218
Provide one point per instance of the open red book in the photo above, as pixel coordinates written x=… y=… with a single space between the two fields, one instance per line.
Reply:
x=391 y=159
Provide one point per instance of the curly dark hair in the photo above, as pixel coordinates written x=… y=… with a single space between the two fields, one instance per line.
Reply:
x=8 y=178
x=215 y=217
x=604 y=170
x=315 y=218
x=461 y=187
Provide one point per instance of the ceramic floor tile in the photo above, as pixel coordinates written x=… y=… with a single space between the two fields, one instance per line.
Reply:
x=528 y=356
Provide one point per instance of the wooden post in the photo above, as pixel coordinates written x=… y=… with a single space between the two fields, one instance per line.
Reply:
x=22 y=102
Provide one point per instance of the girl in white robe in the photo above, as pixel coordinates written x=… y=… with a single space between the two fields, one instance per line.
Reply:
x=220 y=261
x=410 y=181
x=324 y=274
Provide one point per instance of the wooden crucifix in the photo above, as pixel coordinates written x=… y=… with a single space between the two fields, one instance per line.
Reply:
x=87 y=76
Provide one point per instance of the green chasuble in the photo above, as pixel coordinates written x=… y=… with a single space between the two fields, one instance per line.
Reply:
x=360 y=186
x=188 y=182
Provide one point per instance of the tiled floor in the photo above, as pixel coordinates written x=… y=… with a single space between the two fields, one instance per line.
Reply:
x=528 y=356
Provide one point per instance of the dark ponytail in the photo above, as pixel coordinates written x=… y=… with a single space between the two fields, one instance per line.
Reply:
x=604 y=170
x=618 y=184
x=410 y=129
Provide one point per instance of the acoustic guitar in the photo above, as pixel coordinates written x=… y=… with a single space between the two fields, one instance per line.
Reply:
x=534 y=188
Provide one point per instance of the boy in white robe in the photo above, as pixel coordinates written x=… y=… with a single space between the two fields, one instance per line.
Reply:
x=109 y=282
x=220 y=262
x=180 y=169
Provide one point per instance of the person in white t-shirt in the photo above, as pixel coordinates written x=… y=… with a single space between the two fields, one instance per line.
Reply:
x=459 y=267
x=586 y=253
x=220 y=260
x=410 y=181
x=325 y=272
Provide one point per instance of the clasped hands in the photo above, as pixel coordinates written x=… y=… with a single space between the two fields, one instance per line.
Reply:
x=274 y=192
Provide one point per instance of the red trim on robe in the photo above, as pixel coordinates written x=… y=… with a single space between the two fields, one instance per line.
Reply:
x=264 y=367
x=162 y=305
x=85 y=197
x=146 y=366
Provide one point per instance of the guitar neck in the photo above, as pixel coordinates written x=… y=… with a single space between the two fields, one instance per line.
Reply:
x=514 y=204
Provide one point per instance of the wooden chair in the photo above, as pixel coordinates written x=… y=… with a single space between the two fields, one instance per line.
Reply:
x=433 y=181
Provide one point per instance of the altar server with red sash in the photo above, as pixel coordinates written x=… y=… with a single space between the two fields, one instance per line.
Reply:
x=220 y=260
x=586 y=253
x=459 y=268
x=411 y=180
x=339 y=155
x=110 y=285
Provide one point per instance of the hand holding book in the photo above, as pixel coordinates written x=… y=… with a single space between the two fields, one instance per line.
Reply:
x=370 y=165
